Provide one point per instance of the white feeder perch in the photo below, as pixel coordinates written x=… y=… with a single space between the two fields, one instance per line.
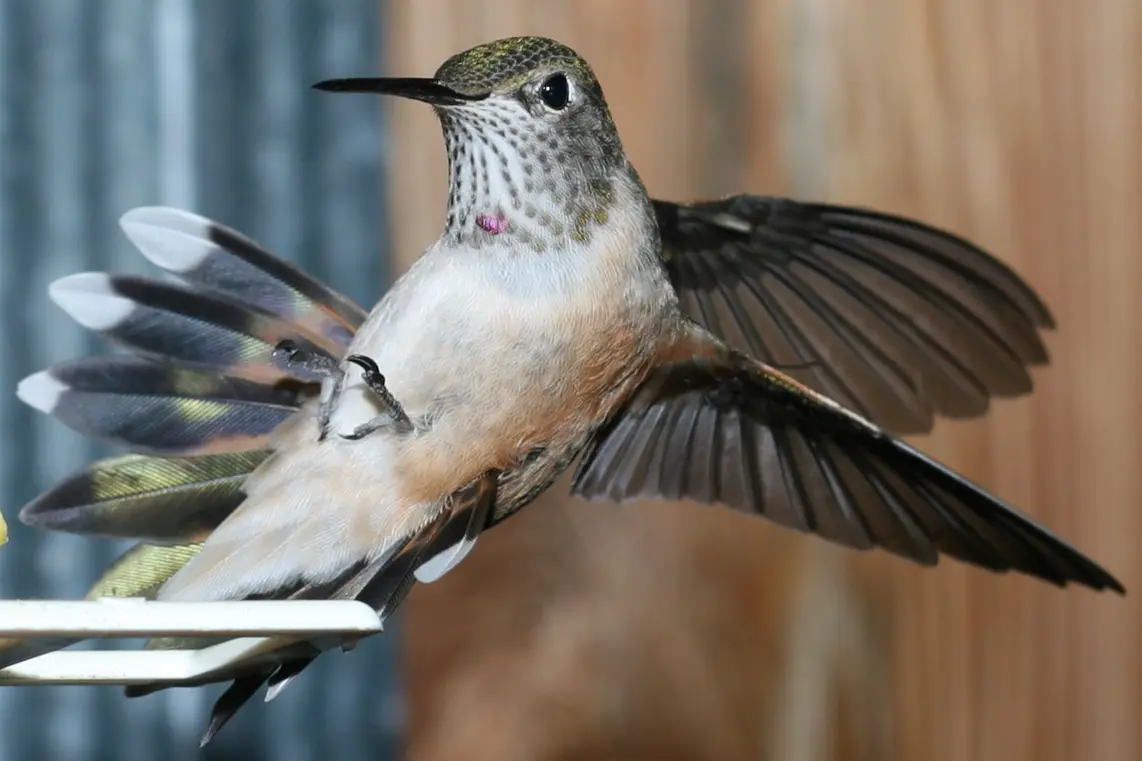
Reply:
x=256 y=628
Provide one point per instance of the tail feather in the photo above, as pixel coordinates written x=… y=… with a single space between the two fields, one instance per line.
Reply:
x=235 y=696
x=174 y=323
x=382 y=577
x=141 y=570
x=214 y=257
x=161 y=409
x=197 y=405
x=158 y=500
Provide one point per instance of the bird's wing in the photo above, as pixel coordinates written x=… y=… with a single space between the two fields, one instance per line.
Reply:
x=727 y=429
x=891 y=317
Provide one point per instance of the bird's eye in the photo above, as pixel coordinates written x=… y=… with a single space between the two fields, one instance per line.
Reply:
x=555 y=92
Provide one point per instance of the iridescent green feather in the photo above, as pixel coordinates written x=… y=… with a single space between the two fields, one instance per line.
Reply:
x=507 y=63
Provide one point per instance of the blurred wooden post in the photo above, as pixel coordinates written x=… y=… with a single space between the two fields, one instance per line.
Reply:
x=1013 y=124
x=1017 y=125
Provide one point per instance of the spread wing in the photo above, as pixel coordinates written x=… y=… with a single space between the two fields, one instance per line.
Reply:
x=734 y=432
x=893 y=318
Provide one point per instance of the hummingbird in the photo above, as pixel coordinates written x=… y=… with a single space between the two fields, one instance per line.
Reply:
x=757 y=353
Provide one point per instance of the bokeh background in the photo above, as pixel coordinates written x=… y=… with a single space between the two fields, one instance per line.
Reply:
x=651 y=631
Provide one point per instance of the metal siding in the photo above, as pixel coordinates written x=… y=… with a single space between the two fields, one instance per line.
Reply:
x=203 y=104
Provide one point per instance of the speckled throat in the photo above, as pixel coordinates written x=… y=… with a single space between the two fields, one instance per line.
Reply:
x=511 y=176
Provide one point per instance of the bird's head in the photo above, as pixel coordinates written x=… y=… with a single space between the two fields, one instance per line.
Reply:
x=532 y=148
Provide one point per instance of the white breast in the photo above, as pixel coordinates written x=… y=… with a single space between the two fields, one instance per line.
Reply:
x=472 y=325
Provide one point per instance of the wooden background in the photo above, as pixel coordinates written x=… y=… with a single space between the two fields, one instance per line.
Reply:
x=671 y=631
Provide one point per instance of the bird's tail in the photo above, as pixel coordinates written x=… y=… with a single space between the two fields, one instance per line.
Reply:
x=195 y=397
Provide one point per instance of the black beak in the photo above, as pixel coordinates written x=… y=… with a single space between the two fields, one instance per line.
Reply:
x=427 y=90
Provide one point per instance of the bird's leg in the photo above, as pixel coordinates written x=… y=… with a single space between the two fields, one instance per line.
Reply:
x=290 y=355
x=392 y=414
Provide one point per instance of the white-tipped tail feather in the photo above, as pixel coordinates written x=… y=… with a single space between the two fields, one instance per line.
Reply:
x=90 y=299
x=171 y=239
x=41 y=391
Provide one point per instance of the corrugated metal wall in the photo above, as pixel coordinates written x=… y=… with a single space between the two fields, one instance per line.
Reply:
x=203 y=104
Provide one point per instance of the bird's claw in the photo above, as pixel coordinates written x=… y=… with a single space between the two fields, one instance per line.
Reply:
x=289 y=355
x=392 y=413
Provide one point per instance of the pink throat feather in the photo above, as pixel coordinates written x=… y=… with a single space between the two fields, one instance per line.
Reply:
x=493 y=223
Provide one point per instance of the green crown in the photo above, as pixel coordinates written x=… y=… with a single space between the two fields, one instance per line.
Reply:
x=507 y=63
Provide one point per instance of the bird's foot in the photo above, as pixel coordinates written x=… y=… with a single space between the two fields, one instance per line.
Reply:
x=289 y=355
x=392 y=414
